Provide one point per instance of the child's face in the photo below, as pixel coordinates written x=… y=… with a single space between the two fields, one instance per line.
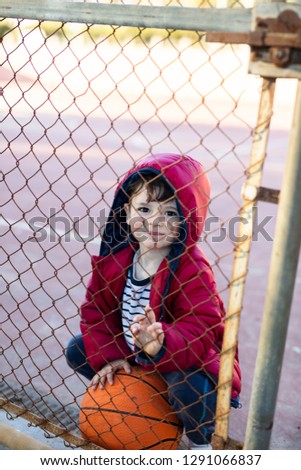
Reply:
x=154 y=224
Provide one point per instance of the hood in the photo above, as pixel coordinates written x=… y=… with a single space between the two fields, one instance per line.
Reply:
x=192 y=188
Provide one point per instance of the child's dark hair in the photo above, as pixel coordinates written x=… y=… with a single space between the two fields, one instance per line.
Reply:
x=157 y=188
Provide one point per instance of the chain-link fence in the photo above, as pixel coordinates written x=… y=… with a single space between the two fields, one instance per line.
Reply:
x=81 y=104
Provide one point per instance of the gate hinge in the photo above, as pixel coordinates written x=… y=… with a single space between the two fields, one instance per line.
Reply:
x=275 y=43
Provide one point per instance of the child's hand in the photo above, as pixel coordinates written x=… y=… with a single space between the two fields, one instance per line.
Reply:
x=107 y=373
x=147 y=332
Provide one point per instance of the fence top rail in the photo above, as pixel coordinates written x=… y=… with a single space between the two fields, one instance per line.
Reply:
x=194 y=19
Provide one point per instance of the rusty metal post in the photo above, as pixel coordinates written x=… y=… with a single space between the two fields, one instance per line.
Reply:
x=16 y=440
x=241 y=259
x=283 y=268
x=46 y=425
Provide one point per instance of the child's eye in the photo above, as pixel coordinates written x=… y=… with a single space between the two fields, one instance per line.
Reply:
x=143 y=209
x=171 y=214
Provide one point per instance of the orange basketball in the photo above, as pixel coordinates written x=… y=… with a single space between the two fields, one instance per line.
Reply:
x=133 y=413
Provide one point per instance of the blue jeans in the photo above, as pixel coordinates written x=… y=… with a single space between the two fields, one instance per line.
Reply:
x=192 y=394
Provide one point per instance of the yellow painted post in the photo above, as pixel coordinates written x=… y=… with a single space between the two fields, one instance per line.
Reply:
x=241 y=260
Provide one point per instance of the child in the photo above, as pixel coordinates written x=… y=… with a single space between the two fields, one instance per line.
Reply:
x=152 y=298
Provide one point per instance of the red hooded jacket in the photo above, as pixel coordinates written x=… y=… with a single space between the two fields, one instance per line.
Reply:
x=183 y=295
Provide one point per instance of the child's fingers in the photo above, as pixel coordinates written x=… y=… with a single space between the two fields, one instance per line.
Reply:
x=97 y=381
x=150 y=314
x=110 y=377
x=102 y=381
x=139 y=322
x=94 y=382
x=139 y=318
x=156 y=330
x=144 y=320
x=127 y=368
x=135 y=328
x=107 y=373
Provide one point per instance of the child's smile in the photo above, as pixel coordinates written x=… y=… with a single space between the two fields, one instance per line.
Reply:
x=154 y=224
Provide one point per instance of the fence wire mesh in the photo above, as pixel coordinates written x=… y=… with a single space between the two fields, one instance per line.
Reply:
x=81 y=104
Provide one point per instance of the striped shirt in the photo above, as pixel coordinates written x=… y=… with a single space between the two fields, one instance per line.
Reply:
x=135 y=298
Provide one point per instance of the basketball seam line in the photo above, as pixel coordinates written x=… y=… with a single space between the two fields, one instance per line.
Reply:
x=160 y=392
x=128 y=413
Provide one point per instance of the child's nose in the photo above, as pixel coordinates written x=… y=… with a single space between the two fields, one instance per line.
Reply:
x=156 y=219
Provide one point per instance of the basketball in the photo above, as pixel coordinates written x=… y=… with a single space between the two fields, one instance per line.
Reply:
x=131 y=414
